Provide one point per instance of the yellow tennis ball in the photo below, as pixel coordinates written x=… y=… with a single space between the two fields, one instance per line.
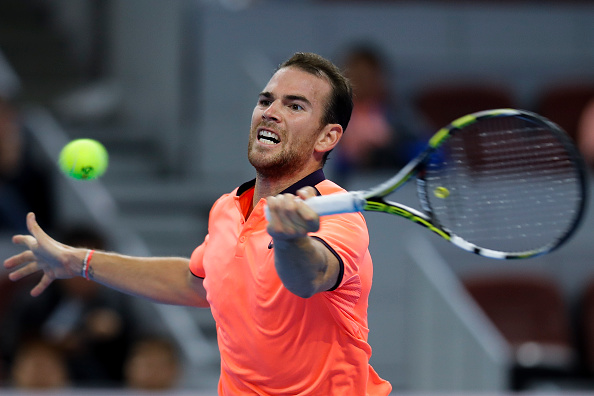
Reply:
x=441 y=192
x=84 y=159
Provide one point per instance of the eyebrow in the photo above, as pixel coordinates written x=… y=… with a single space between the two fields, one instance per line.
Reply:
x=299 y=98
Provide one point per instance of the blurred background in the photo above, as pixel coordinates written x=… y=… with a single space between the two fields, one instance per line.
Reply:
x=169 y=86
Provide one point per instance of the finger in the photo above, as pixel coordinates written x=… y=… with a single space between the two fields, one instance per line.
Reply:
x=35 y=229
x=279 y=207
x=274 y=206
x=271 y=204
x=19 y=259
x=306 y=192
x=308 y=217
x=27 y=270
x=288 y=209
x=26 y=240
x=41 y=286
x=298 y=213
x=294 y=216
x=282 y=204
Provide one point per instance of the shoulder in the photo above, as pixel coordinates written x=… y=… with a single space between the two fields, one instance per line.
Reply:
x=225 y=199
x=326 y=187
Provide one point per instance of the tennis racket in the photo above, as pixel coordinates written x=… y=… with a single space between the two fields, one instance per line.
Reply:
x=502 y=183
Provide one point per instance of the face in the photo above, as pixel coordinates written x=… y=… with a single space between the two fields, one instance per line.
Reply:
x=286 y=123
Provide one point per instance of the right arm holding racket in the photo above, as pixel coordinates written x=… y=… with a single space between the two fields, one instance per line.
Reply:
x=502 y=183
x=304 y=264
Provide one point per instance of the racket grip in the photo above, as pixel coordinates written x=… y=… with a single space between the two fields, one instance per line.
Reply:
x=325 y=205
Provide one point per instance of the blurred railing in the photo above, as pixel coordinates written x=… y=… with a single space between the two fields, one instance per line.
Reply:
x=453 y=346
x=92 y=203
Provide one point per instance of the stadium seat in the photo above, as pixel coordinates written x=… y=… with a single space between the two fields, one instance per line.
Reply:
x=530 y=312
x=442 y=103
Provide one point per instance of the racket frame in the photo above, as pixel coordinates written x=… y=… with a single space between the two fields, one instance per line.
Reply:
x=373 y=199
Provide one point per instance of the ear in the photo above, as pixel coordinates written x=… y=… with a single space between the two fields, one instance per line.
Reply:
x=328 y=138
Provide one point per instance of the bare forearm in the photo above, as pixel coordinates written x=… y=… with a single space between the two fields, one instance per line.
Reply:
x=160 y=279
x=305 y=265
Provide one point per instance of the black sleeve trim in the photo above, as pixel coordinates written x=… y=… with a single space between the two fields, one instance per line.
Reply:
x=340 y=263
x=196 y=276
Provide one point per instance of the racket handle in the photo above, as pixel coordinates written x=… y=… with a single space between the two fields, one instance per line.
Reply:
x=325 y=205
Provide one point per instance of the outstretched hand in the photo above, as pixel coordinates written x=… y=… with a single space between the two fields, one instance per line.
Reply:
x=56 y=260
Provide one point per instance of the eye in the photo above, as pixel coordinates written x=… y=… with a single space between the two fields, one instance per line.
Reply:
x=296 y=107
x=264 y=102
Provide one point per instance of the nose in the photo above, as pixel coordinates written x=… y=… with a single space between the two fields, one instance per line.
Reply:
x=271 y=112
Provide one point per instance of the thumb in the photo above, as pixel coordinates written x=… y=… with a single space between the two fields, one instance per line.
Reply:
x=306 y=192
x=35 y=229
x=31 y=240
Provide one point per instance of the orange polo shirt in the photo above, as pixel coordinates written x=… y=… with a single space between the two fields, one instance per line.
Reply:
x=271 y=341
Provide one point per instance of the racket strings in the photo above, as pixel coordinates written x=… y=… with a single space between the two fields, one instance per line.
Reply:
x=511 y=186
x=505 y=151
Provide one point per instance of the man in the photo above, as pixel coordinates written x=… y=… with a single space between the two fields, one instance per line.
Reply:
x=289 y=296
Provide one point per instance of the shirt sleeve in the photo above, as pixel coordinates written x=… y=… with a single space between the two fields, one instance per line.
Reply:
x=197 y=260
x=197 y=257
x=347 y=236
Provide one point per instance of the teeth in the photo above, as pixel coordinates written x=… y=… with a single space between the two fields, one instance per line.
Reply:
x=268 y=137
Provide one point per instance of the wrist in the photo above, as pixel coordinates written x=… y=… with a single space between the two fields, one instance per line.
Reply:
x=291 y=241
x=72 y=261
x=86 y=271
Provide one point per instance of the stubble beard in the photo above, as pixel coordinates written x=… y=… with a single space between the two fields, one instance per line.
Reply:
x=274 y=166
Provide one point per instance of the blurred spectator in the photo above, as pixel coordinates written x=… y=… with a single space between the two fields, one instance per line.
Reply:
x=3 y=373
x=374 y=138
x=585 y=133
x=93 y=325
x=25 y=185
x=39 y=364
x=153 y=364
x=10 y=84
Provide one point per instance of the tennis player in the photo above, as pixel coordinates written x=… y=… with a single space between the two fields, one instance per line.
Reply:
x=289 y=295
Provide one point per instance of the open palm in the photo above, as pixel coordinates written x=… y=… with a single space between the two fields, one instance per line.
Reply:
x=56 y=260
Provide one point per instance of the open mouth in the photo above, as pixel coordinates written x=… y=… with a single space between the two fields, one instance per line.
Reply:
x=268 y=137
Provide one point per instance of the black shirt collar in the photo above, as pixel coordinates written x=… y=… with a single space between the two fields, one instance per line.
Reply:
x=310 y=180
